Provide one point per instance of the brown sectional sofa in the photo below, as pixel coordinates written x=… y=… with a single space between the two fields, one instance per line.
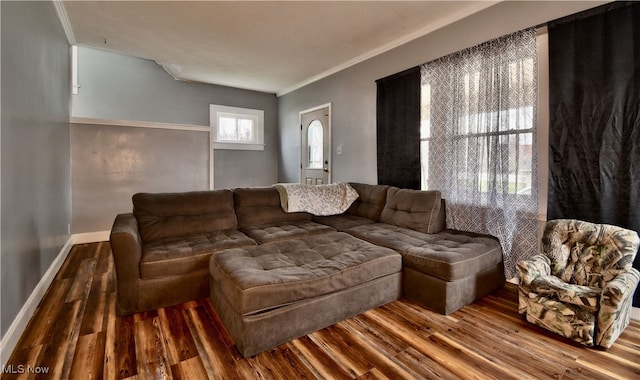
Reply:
x=274 y=276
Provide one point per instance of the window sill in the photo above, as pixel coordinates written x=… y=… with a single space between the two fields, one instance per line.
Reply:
x=237 y=146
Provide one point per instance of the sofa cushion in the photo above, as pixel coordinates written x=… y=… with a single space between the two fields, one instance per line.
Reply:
x=370 y=202
x=170 y=215
x=285 y=230
x=449 y=255
x=179 y=256
x=364 y=210
x=342 y=222
x=257 y=206
x=264 y=277
x=413 y=209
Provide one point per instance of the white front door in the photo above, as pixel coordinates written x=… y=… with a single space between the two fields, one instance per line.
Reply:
x=315 y=143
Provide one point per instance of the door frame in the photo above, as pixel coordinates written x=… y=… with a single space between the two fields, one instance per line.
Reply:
x=329 y=138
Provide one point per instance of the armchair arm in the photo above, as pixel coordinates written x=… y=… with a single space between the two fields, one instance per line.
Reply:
x=615 y=307
x=532 y=268
x=528 y=270
x=585 y=297
x=126 y=247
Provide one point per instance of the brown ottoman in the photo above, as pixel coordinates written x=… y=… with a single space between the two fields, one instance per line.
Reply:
x=272 y=293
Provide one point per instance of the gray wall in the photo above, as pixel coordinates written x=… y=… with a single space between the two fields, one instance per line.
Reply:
x=352 y=92
x=111 y=163
x=36 y=202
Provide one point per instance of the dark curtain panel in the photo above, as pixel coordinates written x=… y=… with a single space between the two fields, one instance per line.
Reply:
x=594 y=173
x=398 y=129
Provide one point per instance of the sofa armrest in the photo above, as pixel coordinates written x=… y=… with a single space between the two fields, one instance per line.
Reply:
x=529 y=270
x=615 y=307
x=585 y=297
x=532 y=268
x=618 y=290
x=126 y=247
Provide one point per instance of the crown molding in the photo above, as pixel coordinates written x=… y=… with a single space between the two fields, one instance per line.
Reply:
x=64 y=20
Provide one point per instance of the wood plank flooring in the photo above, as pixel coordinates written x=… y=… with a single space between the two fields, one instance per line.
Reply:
x=76 y=334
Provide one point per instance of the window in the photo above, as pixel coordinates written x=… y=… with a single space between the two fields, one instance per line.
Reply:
x=315 y=144
x=514 y=143
x=485 y=118
x=477 y=137
x=237 y=128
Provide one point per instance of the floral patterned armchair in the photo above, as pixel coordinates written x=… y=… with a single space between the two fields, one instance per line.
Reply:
x=582 y=286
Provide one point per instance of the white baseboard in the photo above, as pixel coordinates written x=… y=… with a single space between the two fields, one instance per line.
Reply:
x=13 y=334
x=91 y=237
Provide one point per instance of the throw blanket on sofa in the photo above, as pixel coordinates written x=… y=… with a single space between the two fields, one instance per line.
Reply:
x=329 y=199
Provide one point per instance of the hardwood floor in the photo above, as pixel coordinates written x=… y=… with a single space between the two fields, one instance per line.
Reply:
x=75 y=333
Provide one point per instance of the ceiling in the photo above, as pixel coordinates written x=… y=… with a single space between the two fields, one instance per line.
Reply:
x=269 y=46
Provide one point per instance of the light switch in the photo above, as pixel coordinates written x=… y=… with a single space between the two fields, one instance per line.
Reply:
x=339 y=149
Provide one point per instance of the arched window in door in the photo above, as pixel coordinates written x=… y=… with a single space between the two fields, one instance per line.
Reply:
x=314 y=143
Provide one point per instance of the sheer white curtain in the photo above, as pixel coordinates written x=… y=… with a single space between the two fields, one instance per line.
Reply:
x=478 y=136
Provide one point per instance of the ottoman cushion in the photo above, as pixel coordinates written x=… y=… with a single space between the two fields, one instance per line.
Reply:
x=268 y=276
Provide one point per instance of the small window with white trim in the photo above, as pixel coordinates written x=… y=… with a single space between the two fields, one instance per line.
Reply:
x=236 y=128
